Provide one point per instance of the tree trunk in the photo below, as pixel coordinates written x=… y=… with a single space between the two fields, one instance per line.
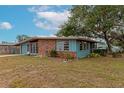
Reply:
x=109 y=50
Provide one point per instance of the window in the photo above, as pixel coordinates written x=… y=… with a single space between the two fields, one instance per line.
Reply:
x=60 y=46
x=34 y=48
x=28 y=47
x=94 y=45
x=81 y=46
x=84 y=45
x=66 y=45
x=63 y=46
x=87 y=45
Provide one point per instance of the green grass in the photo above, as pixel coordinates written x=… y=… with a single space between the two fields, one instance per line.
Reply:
x=29 y=71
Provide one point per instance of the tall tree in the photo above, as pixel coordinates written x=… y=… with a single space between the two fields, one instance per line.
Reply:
x=95 y=21
x=22 y=37
x=119 y=37
x=75 y=25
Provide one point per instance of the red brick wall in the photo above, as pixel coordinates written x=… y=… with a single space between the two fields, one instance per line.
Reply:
x=45 y=46
x=61 y=54
x=6 y=49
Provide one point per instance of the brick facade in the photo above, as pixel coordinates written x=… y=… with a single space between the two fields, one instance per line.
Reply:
x=63 y=54
x=9 y=49
x=44 y=46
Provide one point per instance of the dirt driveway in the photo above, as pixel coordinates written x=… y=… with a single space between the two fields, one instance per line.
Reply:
x=9 y=55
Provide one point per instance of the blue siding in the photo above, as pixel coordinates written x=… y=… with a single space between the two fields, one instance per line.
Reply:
x=24 y=48
x=75 y=47
x=72 y=45
x=82 y=53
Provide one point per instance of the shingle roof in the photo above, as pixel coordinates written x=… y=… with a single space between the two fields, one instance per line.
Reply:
x=59 y=38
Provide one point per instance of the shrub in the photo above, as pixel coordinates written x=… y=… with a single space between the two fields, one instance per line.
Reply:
x=67 y=55
x=94 y=55
x=101 y=52
x=53 y=53
x=116 y=54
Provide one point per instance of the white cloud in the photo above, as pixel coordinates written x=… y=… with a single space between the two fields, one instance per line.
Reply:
x=43 y=8
x=45 y=25
x=54 y=17
x=5 y=26
x=49 y=19
x=51 y=35
x=38 y=8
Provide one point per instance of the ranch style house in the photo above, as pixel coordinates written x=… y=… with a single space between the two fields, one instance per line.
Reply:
x=78 y=46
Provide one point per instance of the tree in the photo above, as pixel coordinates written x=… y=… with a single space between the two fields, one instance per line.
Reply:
x=119 y=37
x=94 y=21
x=5 y=42
x=75 y=25
x=22 y=37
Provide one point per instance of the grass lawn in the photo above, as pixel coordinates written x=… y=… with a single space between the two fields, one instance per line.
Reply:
x=29 y=71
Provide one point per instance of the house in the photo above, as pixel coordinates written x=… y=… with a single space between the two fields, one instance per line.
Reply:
x=78 y=46
x=101 y=44
x=9 y=49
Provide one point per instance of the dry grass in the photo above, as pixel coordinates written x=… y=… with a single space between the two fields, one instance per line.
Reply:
x=28 y=71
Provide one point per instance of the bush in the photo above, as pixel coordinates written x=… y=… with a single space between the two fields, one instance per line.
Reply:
x=101 y=52
x=94 y=55
x=53 y=53
x=67 y=55
x=116 y=54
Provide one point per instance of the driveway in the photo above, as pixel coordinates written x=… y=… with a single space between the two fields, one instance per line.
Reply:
x=10 y=55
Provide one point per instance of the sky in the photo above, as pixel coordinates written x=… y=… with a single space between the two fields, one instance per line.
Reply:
x=31 y=20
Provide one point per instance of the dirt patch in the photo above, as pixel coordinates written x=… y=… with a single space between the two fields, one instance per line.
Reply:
x=35 y=72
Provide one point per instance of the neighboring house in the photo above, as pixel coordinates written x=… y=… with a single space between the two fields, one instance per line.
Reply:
x=116 y=49
x=9 y=49
x=101 y=44
x=78 y=46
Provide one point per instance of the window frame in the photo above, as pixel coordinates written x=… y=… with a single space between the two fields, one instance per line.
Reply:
x=66 y=45
x=84 y=45
x=63 y=45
